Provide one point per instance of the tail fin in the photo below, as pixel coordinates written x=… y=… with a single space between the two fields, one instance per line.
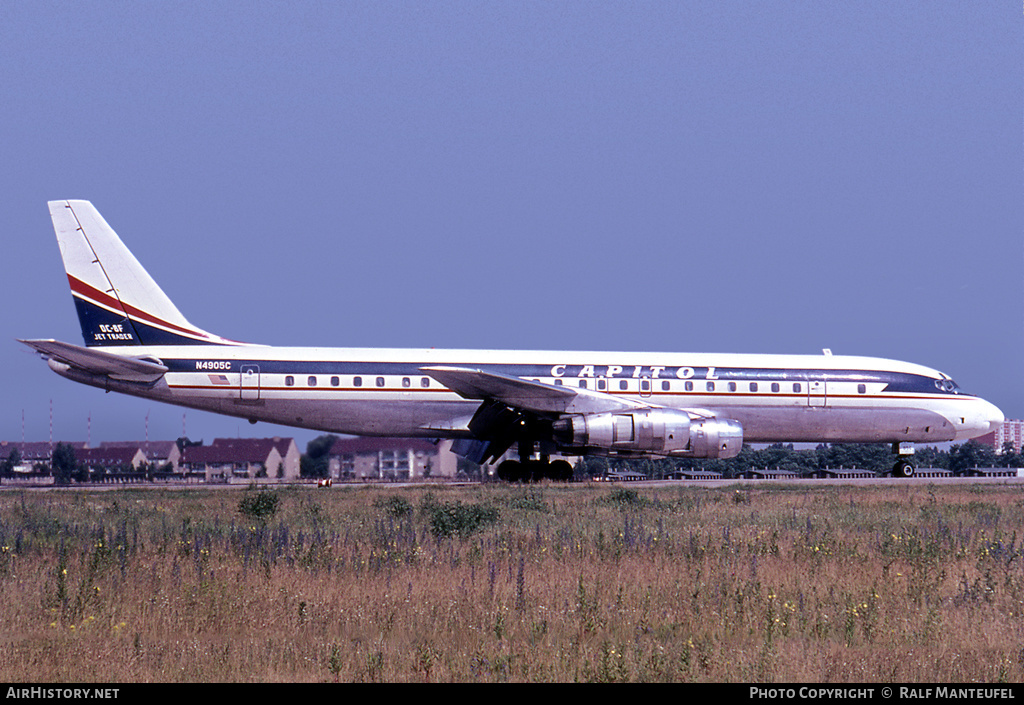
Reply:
x=118 y=302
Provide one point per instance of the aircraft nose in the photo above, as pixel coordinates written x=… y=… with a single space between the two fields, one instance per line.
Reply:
x=981 y=417
x=992 y=414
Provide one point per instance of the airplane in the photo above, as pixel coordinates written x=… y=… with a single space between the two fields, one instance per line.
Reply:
x=541 y=403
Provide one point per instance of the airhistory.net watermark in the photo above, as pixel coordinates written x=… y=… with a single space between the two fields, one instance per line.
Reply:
x=47 y=693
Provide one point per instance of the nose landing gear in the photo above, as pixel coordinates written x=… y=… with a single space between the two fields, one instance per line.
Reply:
x=904 y=466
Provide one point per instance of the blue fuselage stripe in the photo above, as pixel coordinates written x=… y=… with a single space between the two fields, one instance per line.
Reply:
x=571 y=374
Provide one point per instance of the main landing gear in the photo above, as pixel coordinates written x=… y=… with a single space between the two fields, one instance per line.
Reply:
x=534 y=470
x=528 y=470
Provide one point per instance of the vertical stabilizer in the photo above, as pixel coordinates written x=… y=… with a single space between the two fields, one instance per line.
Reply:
x=118 y=303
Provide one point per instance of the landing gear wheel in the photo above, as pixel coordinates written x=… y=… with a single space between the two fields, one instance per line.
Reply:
x=903 y=468
x=560 y=470
x=510 y=471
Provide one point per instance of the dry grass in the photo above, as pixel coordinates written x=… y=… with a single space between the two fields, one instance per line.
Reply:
x=837 y=584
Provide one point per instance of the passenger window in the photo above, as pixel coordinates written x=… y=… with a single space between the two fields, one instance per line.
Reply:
x=406 y=382
x=424 y=381
x=289 y=381
x=311 y=381
x=862 y=389
x=645 y=385
x=558 y=382
x=380 y=381
x=775 y=386
x=665 y=386
x=335 y=381
x=689 y=386
x=583 y=384
x=601 y=384
x=623 y=384
x=796 y=387
x=710 y=386
x=753 y=386
x=357 y=382
x=732 y=386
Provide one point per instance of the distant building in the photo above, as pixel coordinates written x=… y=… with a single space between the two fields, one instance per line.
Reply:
x=688 y=474
x=1011 y=431
x=33 y=452
x=844 y=473
x=252 y=458
x=623 y=476
x=390 y=459
x=770 y=474
x=103 y=460
x=159 y=454
x=995 y=472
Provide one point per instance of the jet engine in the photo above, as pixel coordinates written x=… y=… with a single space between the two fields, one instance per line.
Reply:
x=659 y=431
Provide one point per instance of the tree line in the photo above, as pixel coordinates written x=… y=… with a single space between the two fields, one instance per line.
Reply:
x=875 y=457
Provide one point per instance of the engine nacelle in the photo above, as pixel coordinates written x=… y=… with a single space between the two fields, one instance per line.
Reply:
x=716 y=438
x=659 y=431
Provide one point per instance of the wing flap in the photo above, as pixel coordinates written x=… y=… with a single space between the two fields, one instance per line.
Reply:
x=119 y=367
x=525 y=394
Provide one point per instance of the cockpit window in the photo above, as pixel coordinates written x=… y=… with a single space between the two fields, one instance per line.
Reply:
x=917 y=384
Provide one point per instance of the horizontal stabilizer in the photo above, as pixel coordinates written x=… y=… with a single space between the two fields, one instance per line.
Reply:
x=119 y=367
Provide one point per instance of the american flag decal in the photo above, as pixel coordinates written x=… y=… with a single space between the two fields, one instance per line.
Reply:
x=218 y=379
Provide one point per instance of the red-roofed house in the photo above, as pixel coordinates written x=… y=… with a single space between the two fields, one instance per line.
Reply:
x=390 y=459
x=251 y=458
x=32 y=453
x=116 y=459
x=158 y=454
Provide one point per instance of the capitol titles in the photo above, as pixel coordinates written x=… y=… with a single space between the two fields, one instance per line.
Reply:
x=634 y=371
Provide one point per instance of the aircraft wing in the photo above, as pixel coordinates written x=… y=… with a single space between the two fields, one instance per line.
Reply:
x=120 y=367
x=495 y=425
x=526 y=395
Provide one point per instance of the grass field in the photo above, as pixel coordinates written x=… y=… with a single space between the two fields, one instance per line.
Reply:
x=498 y=583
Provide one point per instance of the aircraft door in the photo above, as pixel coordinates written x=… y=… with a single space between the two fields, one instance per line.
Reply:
x=816 y=393
x=250 y=383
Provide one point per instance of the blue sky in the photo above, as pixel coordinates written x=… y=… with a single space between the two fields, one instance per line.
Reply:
x=689 y=176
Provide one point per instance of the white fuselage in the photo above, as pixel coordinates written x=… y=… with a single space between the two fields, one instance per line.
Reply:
x=787 y=398
x=577 y=403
